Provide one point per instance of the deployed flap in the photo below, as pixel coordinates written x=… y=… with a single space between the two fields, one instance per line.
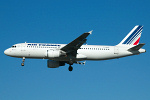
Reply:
x=73 y=46
x=137 y=47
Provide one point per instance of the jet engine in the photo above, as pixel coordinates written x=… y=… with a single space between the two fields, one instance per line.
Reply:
x=54 y=64
x=54 y=53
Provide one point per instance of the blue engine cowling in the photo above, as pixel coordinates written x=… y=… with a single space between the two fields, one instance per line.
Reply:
x=54 y=64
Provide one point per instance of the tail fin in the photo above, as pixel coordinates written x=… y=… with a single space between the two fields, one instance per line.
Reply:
x=133 y=36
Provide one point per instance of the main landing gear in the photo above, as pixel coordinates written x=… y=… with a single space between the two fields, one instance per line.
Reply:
x=70 y=63
x=70 y=68
x=23 y=59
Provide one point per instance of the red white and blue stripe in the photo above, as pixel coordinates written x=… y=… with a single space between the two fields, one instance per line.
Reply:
x=133 y=37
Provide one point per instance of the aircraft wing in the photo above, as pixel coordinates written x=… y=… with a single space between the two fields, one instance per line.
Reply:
x=73 y=46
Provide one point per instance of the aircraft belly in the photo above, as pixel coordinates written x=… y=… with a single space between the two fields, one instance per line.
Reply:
x=29 y=53
x=36 y=53
x=99 y=54
x=93 y=54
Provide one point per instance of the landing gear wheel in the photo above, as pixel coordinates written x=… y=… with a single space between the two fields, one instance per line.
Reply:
x=70 y=68
x=23 y=59
x=22 y=64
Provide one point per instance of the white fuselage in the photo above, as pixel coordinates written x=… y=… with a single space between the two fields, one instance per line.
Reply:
x=75 y=51
x=86 y=52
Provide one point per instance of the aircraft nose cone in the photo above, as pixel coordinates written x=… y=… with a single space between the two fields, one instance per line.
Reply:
x=6 y=52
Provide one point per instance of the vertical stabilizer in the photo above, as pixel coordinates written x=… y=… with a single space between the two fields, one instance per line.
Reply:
x=133 y=36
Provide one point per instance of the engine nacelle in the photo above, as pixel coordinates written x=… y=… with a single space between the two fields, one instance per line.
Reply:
x=54 y=53
x=54 y=64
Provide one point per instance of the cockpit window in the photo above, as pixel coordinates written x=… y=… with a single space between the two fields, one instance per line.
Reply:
x=13 y=46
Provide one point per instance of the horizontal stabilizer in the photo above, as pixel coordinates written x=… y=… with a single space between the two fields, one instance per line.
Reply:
x=137 y=47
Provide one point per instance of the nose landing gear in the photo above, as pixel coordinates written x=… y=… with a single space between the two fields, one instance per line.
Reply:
x=23 y=60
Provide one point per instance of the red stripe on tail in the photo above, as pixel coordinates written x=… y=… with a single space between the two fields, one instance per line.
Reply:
x=137 y=41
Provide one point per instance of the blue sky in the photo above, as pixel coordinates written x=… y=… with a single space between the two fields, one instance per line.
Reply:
x=61 y=21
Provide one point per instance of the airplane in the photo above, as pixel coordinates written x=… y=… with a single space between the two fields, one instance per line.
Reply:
x=76 y=51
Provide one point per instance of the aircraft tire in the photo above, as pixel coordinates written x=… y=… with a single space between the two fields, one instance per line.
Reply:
x=70 y=68
x=22 y=64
